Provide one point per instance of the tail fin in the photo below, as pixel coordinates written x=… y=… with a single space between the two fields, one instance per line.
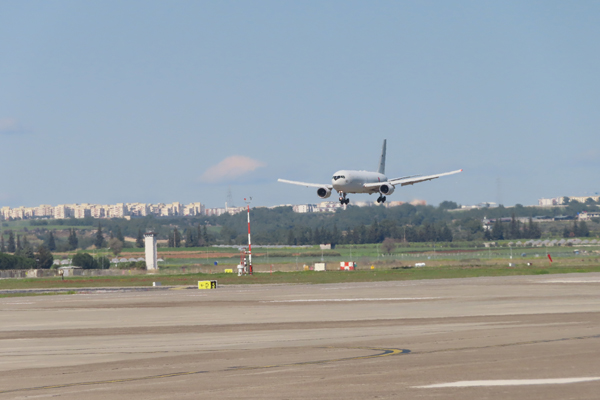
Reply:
x=381 y=169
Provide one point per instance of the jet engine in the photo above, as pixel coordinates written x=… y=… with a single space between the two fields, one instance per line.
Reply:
x=386 y=189
x=323 y=192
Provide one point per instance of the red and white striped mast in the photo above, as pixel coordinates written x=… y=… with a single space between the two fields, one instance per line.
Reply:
x=249 y=241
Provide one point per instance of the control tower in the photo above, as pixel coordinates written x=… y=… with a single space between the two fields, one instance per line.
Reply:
x=151 y=257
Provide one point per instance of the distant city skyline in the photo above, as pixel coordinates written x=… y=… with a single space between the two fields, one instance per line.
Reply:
x=128 y=210
x=150 y=101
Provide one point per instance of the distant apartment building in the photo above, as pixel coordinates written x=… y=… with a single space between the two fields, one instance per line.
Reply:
x=99 y=211
x=583 y=199
x=214 y=211
x=587 y=216
x=82 y=211
x=44 y=210
x=117 y=210
x=304 y=208
x=139 y=209
x=62 y=211
x=563 y=200
x=327 y=206
x=193 y=209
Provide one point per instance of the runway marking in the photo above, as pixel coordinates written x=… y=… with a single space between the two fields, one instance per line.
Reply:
x=382 y=353
x=343 y=300
x=571 y=281
x=509 y=382
x=510 y=344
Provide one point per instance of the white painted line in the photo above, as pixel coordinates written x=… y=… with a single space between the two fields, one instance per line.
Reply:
x=572 y=281
x=363 y=299
x=509 y=382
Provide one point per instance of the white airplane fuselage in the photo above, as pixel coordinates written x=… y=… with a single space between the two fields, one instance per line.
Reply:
x=349 y=181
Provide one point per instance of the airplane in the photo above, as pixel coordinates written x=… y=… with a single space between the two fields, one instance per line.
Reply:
x=350 y=181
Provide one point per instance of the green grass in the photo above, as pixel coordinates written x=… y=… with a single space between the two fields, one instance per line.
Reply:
x=36 y=294
x=304 y=277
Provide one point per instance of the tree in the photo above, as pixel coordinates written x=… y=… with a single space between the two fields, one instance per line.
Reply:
x=200 y=242
x=533 y=230
x=444 y=233
x=99 y=242
x=448 y=205
x=27 y=249
x=291 y=239
x=189 y=238
x=2 y=246
x=102 y=263
x=176 y=238
x=84 y=260
x=388 y=245
x=139 y=242
x=50 y=242
x=11 y=243
x=19 y=248
x=14 y=262
x=119 y=235
x=205 y=235
x=171 y=242
x=583 y=229
x=116 y=246
x=44 y=258
x=73 y=241
x=513 y=230
x=497 y=230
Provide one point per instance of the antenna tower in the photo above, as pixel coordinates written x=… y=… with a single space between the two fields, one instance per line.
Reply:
x=230 y=198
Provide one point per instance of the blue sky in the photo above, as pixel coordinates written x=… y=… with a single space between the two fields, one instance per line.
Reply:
x=153 y=101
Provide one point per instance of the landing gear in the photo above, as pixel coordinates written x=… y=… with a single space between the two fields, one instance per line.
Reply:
x=344 y=200
x=381 y=199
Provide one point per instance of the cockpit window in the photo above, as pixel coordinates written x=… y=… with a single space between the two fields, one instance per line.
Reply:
x=336 y=177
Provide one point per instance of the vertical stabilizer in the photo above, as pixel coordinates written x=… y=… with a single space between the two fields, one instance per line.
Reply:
x=381 y=169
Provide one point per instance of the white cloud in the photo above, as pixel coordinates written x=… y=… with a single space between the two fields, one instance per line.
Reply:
x=231 y=168
x=10 y=126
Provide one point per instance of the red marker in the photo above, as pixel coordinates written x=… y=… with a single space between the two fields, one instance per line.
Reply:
x=550 y=258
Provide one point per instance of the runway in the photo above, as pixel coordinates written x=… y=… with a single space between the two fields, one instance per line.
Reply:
x=519 y=337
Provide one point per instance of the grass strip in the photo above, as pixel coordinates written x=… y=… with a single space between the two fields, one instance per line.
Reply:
x=304 y=277
x=3 y=295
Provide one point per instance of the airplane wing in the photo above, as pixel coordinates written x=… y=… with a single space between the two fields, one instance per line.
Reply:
x=306 y=184
x=410 y=180
x=417 y=179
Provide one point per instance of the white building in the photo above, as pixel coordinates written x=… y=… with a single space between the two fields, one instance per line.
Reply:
x=44 y=210
x=151 y=254
x=63 y=211
x=117 y=210
x=304 y=208
x=82 y=211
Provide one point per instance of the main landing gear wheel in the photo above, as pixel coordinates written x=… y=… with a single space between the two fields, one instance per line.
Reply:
x=381 y=199
x=344 y=200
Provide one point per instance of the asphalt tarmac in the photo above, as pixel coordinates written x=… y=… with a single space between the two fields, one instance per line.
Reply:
x=519 y=337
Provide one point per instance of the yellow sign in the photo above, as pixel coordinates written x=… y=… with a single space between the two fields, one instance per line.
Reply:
x=207 y=284
x=372 y=267
x=229 y=271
